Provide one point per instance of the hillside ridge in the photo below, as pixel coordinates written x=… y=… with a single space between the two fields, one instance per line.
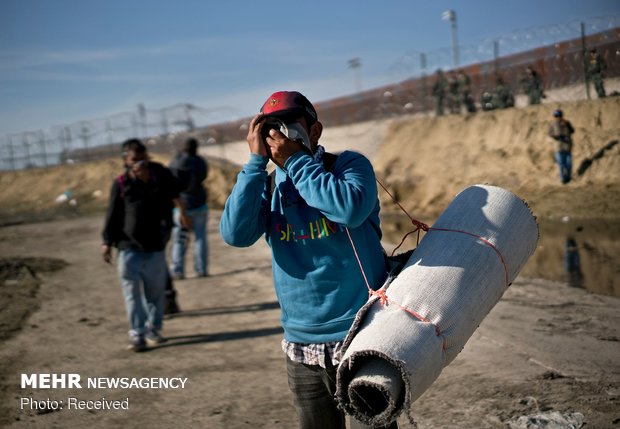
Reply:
x=424 y=161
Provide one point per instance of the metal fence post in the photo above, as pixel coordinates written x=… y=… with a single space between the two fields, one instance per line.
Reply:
x=11 y=152
x=585 y=59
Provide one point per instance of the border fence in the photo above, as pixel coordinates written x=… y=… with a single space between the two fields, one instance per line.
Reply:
x=97 y=138
x=559 y=64
x=557 y=53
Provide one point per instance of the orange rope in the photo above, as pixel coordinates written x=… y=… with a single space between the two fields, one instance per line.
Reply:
x=383 y=298
x=424 y=227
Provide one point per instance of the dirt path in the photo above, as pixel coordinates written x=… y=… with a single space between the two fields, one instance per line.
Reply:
x=545 y=347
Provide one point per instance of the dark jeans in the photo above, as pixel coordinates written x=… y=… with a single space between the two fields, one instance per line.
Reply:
x=314 y=390
x=565 y=163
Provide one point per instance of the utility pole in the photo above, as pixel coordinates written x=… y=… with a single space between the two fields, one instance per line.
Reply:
x=109 y=131
x=450 y=15
x=424 y=83
x=584 y=53
x=42 y=144
x=496 y=56
x=11 y=152
x=188 y=115
x=26 y=143
x=164 y=122
x=67 y=140
x=134 y=124
x=356 y=65
x=142 y=114
x=85 y=137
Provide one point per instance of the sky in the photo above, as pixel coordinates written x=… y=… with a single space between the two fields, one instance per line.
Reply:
x=62 y=61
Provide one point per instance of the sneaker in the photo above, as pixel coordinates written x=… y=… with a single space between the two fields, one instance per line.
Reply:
x=137 y=343
x=153 y=338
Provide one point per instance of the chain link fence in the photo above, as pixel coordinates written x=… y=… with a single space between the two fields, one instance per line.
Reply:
x=99 y=138
x=416 y=64
x=557 y=54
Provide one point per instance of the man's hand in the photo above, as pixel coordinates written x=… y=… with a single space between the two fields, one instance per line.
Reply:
x=282 y=148
x=186 y=221
x=255 y=141
x=106 y=253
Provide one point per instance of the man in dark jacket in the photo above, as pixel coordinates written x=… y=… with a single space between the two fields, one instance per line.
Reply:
x=138 y=223
x=191 y=170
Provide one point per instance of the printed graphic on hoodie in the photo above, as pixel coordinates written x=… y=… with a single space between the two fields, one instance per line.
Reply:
x=313 y=230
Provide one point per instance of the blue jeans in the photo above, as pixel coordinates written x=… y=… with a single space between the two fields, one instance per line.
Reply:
x=180 y=239
x=565 y=163
x=314 y=390
x=143 y=278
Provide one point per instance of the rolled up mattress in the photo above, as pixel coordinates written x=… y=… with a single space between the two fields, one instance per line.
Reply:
x=403 y=337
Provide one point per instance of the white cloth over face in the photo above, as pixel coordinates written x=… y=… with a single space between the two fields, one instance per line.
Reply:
x=451 y=281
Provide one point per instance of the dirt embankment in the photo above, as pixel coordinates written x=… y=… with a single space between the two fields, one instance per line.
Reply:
x=30 y=195
x=426 y=161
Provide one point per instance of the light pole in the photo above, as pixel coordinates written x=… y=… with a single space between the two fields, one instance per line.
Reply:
x=356 y=65
x=450 y=15
x=142 y=114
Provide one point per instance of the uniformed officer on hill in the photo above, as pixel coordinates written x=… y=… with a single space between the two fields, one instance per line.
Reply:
x=439 y=90
x=532 y=86
x=596 y=71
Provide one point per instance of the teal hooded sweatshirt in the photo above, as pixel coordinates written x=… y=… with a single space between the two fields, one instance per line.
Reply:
x=317 y=277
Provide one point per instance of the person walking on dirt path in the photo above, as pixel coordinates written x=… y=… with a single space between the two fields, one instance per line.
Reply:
x=562 y=130
x=532 y=86
x=440 y=88
x=306 y=212
x=171 y=305
x=191 y=170
x=138 y=224
x=596 y=72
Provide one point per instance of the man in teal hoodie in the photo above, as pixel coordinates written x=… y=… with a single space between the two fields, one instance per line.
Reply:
x=319 y=214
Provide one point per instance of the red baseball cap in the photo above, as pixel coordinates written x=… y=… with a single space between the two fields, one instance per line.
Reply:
x=289 y=104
